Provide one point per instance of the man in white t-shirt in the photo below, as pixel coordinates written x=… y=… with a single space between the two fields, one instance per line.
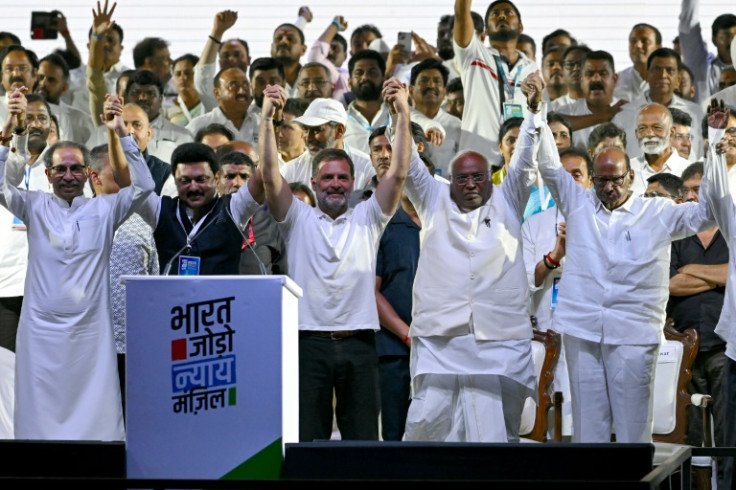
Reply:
x=332 y=250
x=491 y=76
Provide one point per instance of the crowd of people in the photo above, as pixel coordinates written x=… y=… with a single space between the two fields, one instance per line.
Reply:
x=423 y=200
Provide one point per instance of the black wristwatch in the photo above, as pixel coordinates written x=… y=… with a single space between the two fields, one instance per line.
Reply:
x=278 y=123
x=20 y=131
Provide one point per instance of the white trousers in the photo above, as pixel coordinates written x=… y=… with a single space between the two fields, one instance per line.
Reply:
x=612 y=387
x=469 y=408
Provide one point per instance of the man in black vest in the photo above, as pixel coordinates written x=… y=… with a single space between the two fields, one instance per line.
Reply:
x=199 y=232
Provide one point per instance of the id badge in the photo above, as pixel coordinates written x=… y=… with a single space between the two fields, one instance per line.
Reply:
x=512 y=110
x=555 y=285
x=188 y=265
x=18 y=224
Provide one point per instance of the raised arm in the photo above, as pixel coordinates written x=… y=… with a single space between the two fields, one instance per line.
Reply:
x=223 y=21
x=101 y=25
x=715 y=185
x=10 y=197
x=111 y=117
x=321 y=47
x=522 y=169
x=63 y=28
x=388 y=191
x=278 y=193
x=463 y=30
x=16 y=162
x=694 y=50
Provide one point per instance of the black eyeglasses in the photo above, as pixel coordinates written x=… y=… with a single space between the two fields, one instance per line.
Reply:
x=616 y=180
x=462 y=179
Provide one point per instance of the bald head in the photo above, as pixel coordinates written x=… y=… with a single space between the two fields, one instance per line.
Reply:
x=244 y=148
x=471 y=185
x=612 y=177
x=654 y=129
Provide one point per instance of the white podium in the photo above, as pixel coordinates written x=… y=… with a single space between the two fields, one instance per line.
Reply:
x=212 y=376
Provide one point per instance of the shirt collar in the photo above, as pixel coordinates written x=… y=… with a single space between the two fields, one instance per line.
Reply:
x=322 y=215
x=626 y=206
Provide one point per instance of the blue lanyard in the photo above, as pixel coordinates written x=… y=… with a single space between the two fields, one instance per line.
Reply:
x=367 y=127
x=508 y=87
x=27 y=176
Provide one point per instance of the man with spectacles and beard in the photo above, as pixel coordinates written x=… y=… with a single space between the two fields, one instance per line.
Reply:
x=332 y=253
x=611 y=304
x=471 y=361
x=324 y=124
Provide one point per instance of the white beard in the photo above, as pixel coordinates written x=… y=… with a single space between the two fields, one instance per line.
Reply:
x=649 y=149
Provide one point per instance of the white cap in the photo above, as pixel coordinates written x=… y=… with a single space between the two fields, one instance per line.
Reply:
x=322 y=111
x=733 y=51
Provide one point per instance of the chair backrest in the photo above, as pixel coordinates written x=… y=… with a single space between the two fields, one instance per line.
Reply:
x=671 y=378
x=545 y=352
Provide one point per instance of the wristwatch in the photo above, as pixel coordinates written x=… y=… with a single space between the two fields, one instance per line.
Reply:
x=278 y=123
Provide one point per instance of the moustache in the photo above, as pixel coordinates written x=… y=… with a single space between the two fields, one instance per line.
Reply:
x=597 y=86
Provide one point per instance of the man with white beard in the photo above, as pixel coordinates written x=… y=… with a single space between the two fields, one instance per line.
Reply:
x=653 y=131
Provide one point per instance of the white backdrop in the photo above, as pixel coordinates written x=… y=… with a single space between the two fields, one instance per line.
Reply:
x=602 y=24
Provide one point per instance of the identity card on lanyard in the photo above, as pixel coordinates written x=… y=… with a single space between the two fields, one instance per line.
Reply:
x=189 y=264
x=509 y=108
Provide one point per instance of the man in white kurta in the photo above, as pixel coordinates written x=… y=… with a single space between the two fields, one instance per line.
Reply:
x=471 y=364
x=544 y=257
x=66 y=379
x=715 y=187
x=611 y=305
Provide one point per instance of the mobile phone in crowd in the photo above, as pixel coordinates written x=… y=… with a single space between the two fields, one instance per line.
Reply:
x=44 y=25
x=405 y=42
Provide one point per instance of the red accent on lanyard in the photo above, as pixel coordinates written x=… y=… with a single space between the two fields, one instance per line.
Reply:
x=251 y=237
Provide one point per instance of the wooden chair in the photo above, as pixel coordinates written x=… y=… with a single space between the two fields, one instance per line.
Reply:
x=672 y=399
x=545 y=351
x=671 y=379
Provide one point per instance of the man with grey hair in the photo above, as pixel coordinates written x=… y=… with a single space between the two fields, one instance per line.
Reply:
x=66 y=384
x=653 y=132
x=324 y=124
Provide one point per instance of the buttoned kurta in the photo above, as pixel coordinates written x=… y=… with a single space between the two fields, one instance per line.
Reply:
x=66 y=383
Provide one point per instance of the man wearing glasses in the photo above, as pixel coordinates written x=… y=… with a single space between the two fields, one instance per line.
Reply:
x=611 y=304
x=66 y=378
x=314 y=82
x=471 y=361
x=199 y=232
